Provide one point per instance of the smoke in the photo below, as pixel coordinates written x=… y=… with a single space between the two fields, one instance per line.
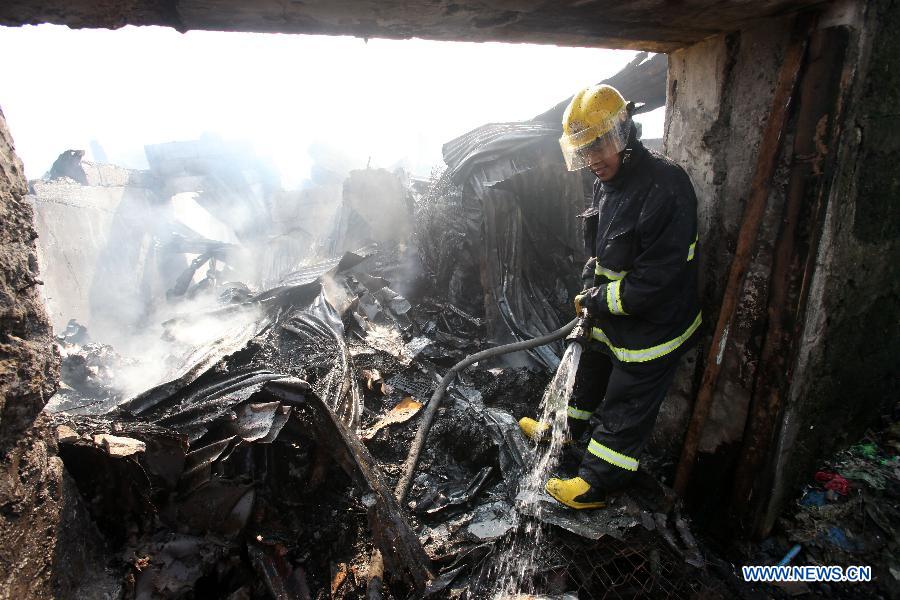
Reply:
x=139 y=257
x=154 y=263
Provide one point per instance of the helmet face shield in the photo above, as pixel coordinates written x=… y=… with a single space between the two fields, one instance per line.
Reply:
x=580 y=149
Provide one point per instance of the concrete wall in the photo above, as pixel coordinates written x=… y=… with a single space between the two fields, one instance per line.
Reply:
x=29 y=370
x=50 y=548
x=97 y=253
x=720 y=93
x=844 y=362
x=28 y=363
x=73 y=224
x=846 y=366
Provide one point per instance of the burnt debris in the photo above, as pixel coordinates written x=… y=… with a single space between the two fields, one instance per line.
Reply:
x=264 y=465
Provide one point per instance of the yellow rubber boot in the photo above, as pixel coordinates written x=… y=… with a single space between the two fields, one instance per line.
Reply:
x=536 y=431
x=575 y=493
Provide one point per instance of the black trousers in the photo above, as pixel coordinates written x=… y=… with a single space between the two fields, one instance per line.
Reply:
x=613 y=410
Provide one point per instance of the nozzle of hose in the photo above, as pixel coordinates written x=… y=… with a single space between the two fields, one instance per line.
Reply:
x=581 y=333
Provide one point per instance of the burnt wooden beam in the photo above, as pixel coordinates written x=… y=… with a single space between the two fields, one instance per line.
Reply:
x=795 y=248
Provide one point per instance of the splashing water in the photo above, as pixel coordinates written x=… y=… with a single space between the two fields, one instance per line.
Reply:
x=518 y=562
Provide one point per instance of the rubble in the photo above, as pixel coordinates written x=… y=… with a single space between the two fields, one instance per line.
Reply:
x=278 y=435
x=119 y=446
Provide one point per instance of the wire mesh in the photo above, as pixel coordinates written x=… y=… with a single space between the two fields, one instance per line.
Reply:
x=642 y=565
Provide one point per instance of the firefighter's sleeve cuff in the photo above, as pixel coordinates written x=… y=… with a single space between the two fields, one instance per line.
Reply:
x=605 y=299
x=613 y=298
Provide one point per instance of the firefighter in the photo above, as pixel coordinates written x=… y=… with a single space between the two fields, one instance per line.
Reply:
x=640 y=292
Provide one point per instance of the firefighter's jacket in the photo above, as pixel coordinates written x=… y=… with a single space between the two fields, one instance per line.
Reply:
x=642 y=229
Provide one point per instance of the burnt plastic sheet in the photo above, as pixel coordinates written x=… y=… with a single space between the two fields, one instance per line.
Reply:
x=533 y=250
x=642 y=81
x=438 y=585
x=528 y=237
x=227 y=330
x=224 y=331
x=491 y=521
x=340 y=388
x=454 y=493
x=311 y=273
x=515 y=454
x=259 y=421
x=452 y=224
x=229 y=445
x=468 y=555
x=592 y=524
x=369 y=307
x=492 y=142
x=209 y=251
x=198 y=463
x=376 y=301
x=193 y=410
x=183 y=282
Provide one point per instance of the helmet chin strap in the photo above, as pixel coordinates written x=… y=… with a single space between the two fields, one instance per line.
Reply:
x=625 y=154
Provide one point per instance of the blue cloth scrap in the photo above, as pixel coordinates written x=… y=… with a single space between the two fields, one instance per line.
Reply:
x=813 y=498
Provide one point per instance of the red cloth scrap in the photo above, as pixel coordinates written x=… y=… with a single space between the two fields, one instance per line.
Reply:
x=833 y=481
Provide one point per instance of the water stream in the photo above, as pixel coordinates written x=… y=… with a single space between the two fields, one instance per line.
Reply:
x=516 y=565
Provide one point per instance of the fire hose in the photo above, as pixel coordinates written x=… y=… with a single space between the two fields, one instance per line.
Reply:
x=580 y=332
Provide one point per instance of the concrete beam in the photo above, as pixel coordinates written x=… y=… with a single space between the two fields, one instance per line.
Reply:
x=654 y=25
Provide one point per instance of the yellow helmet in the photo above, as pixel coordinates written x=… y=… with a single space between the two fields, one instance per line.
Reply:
x=597 y=117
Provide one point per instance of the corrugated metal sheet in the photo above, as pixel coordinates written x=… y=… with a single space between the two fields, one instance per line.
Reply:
x=491 y=142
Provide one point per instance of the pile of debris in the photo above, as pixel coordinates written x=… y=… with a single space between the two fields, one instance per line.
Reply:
x=264 y=464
